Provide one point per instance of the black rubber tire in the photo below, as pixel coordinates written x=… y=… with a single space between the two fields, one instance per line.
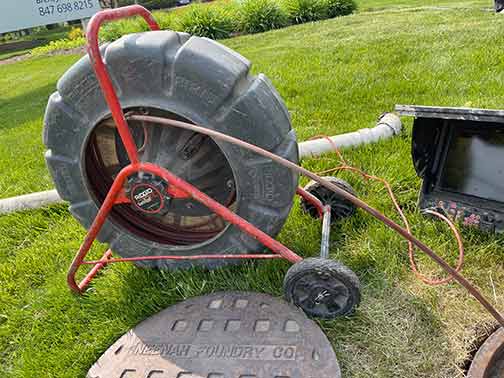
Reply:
x=197 y=79
x=340 y=207
x=323 y=269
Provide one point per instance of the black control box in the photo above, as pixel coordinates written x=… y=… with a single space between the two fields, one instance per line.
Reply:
x=459 y=154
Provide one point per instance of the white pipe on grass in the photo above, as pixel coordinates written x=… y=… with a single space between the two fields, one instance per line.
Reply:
x=388 y=125
x=29 y=201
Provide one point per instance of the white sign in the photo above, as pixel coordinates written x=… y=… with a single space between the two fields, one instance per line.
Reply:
x=23 y=14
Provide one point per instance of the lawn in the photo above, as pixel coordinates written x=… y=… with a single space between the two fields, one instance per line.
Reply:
x=335 y=76
x=374 y=5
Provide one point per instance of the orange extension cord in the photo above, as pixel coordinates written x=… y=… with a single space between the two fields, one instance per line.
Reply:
x=411 y=249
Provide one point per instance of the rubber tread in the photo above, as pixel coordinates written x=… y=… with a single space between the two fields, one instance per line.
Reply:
x=199 y=80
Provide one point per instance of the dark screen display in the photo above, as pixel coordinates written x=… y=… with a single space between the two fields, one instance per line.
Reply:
x=474 y=163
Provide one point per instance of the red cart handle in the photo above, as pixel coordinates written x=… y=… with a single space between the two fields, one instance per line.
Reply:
x=101 y=70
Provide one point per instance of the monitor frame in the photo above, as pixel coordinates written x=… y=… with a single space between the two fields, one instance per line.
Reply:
x=433 y=131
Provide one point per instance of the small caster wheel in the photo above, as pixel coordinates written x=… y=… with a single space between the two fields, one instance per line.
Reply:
x=340 y=207
x=322 y=288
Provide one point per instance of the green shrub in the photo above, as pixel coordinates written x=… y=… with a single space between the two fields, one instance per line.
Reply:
x=301 y=11
x=7 y=37
x=257 y=16
x=114 y=30
x=230 y=8
x=150 y=4
x=337 y=8
x=166 y=20
x=217 y=20
x=210 y=22
x=60 y=44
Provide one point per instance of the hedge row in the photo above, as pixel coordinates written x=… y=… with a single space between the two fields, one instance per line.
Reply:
x=219 y=19
x=150 y=4
x=222 y=19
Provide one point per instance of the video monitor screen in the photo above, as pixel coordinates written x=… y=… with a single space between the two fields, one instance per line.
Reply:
x=474 y=163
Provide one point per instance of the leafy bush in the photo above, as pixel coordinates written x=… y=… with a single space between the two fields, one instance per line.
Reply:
x=210 y=22
x=166 y=20
x=115 y=30
x=150 y=4
x=337 y=8
x=216 y=20
x=301 y=11
x=60 y=44
x=75 y=33
x=230 y=8
x=7 y=37
x=257 y=16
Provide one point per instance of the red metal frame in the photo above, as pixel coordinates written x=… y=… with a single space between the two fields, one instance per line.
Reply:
x=179 y=188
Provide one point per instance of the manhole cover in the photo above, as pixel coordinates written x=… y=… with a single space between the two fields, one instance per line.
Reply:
x=223 y=335
x=489 y=360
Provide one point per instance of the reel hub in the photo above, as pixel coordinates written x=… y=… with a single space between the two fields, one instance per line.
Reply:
x=148 y=193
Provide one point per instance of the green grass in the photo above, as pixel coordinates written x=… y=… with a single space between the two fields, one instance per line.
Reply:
x=335 y=76
x=371 y=5
x=25 y=88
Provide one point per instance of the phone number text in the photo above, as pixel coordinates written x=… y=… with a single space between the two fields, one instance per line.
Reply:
x=51 y=7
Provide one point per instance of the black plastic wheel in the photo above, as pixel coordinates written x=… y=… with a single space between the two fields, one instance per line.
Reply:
x=322 y=288
x=340 y=207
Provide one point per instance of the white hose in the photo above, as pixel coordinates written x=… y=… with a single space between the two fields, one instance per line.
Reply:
x=388 y=125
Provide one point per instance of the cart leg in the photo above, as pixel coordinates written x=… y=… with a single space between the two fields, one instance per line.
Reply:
x=324 y=212
x=92 y=273
x=95 y=228
x=326 y=232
